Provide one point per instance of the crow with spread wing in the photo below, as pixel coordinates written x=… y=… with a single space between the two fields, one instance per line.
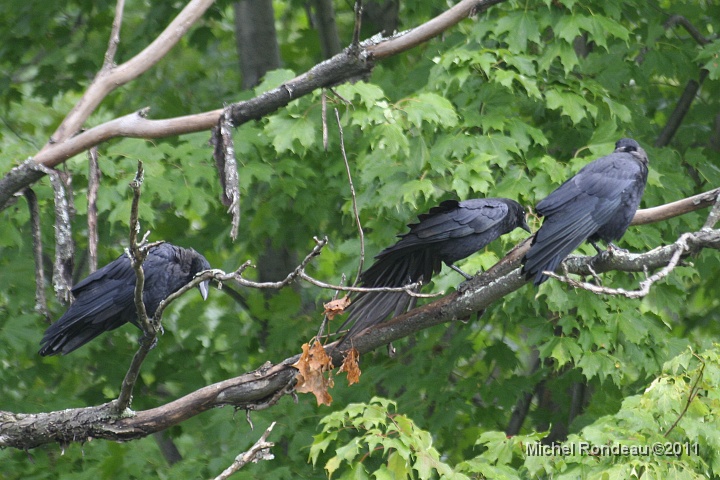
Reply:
x=448 y=233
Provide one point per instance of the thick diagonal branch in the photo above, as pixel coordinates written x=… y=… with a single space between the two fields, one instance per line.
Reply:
x=264 y=387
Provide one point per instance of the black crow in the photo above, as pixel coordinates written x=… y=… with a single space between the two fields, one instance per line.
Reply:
x=598 y=203
x=448 y=233
x=105 y=300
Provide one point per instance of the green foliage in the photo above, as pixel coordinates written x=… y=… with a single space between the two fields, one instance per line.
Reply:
x=406 y=451
x=669 y=431
x=509 y=103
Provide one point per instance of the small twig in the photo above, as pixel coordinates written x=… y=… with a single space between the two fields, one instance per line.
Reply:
x=644 y=286
x=342 y=99
x=114 y=41
x=40 y=300
x=358 y=24
x=259 y=451
x=595 y=275
x=409 y=288
x=323 y=114
x=354 y=199
x=299 y=272
x=691 y=396
x=522 y=406
x=249 y=420
x=137 y=255
x=93 y=186
x=681 y=109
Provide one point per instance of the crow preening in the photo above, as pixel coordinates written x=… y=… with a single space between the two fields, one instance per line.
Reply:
x=598 y=203
x=448 y=233
x=105 y=300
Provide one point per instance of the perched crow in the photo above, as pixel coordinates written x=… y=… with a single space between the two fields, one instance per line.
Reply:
x=448 y=233
x=598 y=203
x=105 y=300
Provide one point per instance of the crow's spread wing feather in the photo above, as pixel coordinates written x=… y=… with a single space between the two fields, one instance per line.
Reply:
x=447 y=233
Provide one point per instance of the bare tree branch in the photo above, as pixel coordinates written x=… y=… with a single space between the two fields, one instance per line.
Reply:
x=685 y=23
x=256 y=390
x=714 y=215
x=412 y=38
x=137 y=253
x=674 y=209
x=691 y=89
x=358 y=23
x=224 y=154
x=114 y=36
x=108 y=79
x=644 y=288
x=264 y=387
x=691 y=396
x=259 y=451
x=343 y=67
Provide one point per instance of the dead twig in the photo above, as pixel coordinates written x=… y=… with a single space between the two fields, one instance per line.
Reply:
x=40 y=299
x=137 y=253
x=354 y=199
x=259 y=451
x=114 y=40
x=92 y=211
x=644 y=286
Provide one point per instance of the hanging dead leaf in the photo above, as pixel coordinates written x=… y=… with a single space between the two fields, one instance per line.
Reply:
x=312 y=365
x=336 y=307
x=351 y=366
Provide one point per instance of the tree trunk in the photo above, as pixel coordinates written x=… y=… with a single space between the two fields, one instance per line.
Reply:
x=256 y=40
x=327 y=29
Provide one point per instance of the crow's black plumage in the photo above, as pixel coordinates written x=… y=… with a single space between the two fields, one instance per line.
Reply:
x=598 y=203
x=448 y=233
x=105 y=300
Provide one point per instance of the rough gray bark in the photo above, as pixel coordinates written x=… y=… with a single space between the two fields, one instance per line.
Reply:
x=253 y=391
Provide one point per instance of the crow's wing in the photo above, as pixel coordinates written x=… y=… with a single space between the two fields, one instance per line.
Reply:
x=103 y=301
x=419 y=255
x=453 y=219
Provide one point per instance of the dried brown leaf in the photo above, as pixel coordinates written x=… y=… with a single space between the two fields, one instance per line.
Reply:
x=312 y=365
x=336 y=307
x=351 y=366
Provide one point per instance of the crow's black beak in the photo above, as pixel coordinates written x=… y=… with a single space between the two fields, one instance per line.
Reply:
x=203 y=287
x=525 y=226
